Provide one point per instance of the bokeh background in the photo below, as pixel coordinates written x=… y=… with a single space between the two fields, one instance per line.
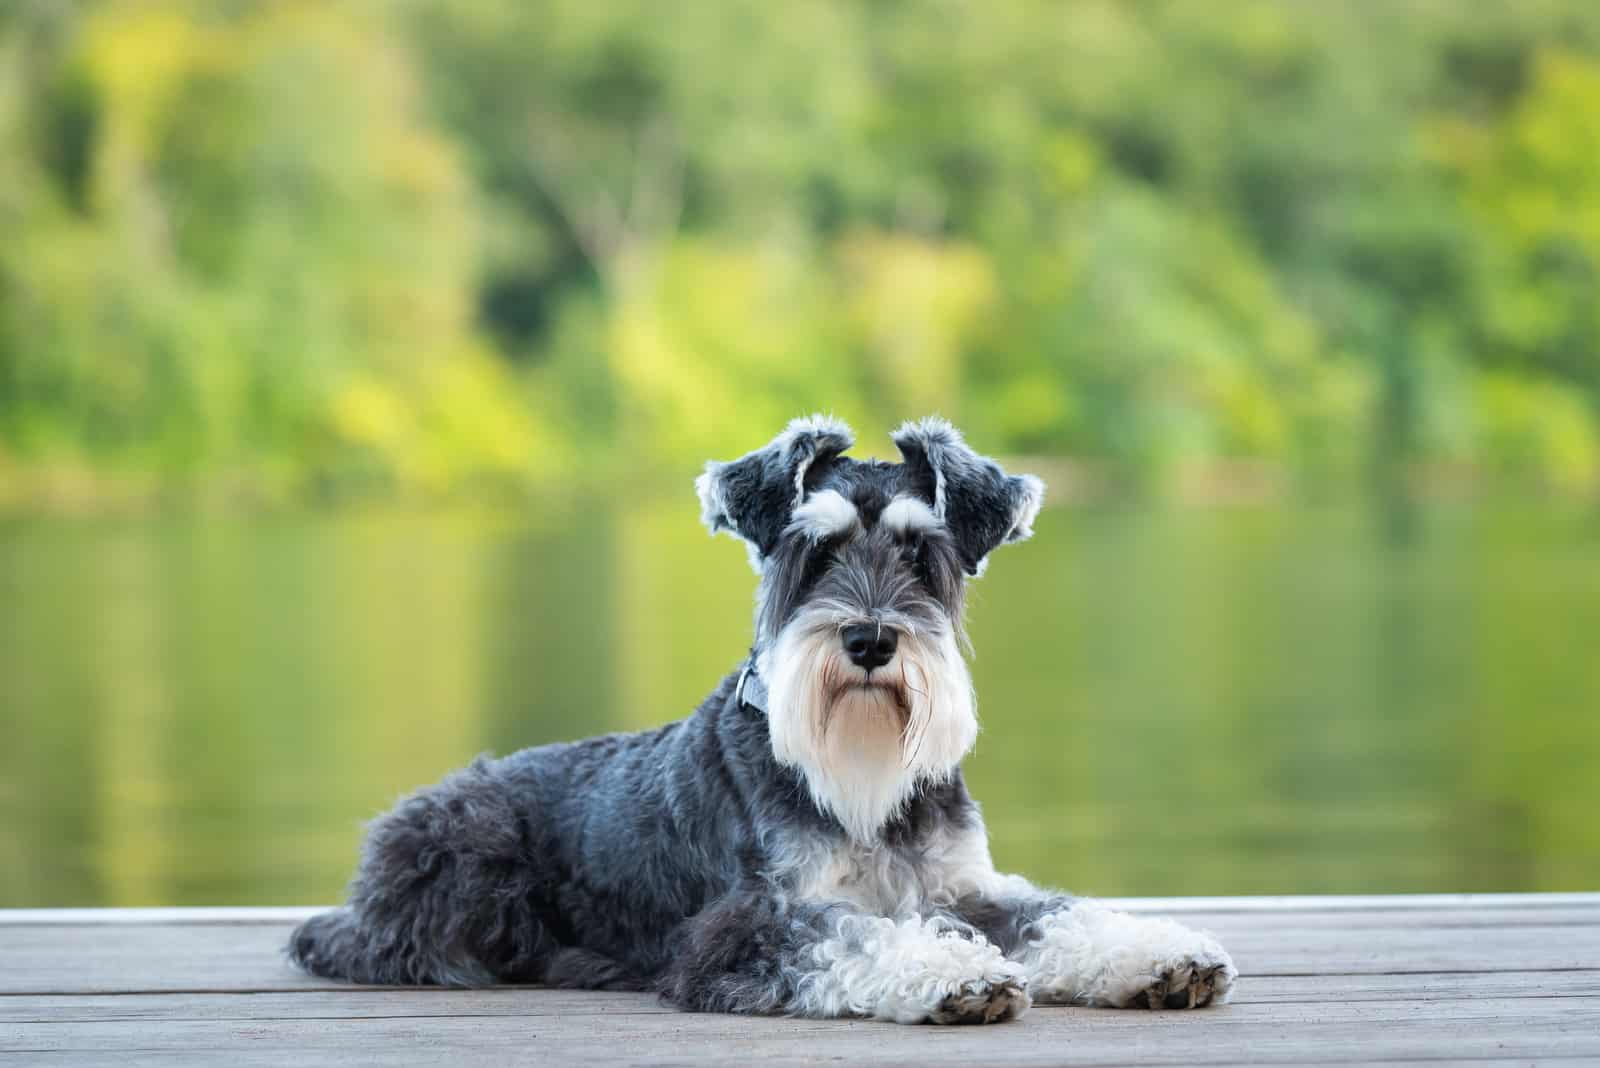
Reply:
x=356 y=358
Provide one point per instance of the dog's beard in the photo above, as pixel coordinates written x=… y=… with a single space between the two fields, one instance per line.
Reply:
x=864 y=741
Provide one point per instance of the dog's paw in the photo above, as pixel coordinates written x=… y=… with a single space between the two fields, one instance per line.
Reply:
x=1168 y=966
x=1091 y=955
x=1189 y=984
x=981 y=1001
x=912 y=970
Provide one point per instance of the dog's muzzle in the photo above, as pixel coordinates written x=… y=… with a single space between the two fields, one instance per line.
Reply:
x=869 y=645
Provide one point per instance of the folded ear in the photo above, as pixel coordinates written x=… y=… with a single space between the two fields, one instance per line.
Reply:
x=979 y=504
x=754 y=495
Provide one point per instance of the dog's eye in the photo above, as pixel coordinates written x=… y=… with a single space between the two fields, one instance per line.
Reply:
x=915 y=554
x=819 y=558
x=825 y=546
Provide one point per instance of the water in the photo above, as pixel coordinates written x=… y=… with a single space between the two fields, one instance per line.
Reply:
x=1240 y=700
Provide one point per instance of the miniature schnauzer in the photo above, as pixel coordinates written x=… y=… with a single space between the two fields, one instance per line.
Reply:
x=803 y=843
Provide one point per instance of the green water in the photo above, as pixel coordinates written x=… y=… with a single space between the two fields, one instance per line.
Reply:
x=1240 y=700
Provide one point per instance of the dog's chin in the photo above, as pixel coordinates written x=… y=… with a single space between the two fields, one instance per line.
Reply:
x=871 y=696
x=865 y=740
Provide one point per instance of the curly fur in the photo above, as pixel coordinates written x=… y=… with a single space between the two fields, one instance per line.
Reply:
x=815 y=852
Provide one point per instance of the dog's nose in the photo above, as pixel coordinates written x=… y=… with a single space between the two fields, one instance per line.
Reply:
x=868 y=644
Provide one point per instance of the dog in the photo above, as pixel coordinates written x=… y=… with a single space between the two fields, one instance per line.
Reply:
x=803 y=843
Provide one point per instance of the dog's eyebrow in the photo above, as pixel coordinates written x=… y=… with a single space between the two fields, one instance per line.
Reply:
x=909 y=515
x=825 y=514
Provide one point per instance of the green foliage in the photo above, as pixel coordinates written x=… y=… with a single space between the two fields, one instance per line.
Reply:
x=1532 y=184
x=448 y=246
x=263 y=242
x=1538 y=430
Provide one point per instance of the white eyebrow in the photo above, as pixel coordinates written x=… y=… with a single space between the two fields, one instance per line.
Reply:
x=907 y=515
x=825 y=514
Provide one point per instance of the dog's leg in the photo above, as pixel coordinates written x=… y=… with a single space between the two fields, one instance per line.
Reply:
x=446 y=894
x=754 y=952
x=1077 y=951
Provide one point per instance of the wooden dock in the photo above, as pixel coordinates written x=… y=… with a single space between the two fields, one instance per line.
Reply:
x=1487 y=978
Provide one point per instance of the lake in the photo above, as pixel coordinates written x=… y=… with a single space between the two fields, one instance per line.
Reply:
x=1227 y=700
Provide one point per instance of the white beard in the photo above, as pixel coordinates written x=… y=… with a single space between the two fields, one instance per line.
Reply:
x=863 y=749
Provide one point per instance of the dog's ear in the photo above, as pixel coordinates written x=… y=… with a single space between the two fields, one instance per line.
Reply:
x=981 y=505
x=754 y=495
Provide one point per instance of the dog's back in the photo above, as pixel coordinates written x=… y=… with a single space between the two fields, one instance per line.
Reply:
x=567 y=864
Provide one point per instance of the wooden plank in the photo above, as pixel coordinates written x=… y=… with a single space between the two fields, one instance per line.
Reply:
x=352 y=1003
x=1423 y=987
x=148 y=957
x=1401 y=951
x=1175 y=905
x=1353 y=902
x=1263 y=1034
x=536 y=1002
x=1379 y=919
x=1490 y=978
x=1348 y=919
x=144 y=957
x=189 y=917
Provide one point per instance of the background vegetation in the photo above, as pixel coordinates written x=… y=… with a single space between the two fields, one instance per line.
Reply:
x=514 y=258
x=275 y=250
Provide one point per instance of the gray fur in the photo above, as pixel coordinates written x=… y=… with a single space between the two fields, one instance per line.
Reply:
x=664 y=859
x=753 y=496
x=982 y=505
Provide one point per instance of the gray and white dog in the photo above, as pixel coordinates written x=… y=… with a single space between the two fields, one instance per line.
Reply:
x=803 y=843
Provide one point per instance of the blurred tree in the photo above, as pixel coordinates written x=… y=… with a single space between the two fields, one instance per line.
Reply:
x=1532 y=183
x=442 y=244
x=250 y=253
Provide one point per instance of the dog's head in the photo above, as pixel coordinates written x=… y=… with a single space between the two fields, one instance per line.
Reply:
x=863 y=568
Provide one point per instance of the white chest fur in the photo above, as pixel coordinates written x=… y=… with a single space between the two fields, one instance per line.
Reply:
x=887 y=881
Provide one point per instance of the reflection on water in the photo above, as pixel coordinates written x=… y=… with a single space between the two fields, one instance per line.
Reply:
x=1210 y=701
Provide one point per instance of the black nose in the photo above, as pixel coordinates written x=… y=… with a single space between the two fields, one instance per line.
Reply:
x=869 y=645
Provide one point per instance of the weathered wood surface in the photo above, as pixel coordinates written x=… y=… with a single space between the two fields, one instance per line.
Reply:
x=1491 y=979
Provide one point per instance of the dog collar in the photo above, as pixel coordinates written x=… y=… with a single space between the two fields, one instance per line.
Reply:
x=750 y=689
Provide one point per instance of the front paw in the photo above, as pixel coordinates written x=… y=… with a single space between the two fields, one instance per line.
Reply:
x=1168 y=966
x=981 y=1002
x=1188 y=984
x=1091 y=955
